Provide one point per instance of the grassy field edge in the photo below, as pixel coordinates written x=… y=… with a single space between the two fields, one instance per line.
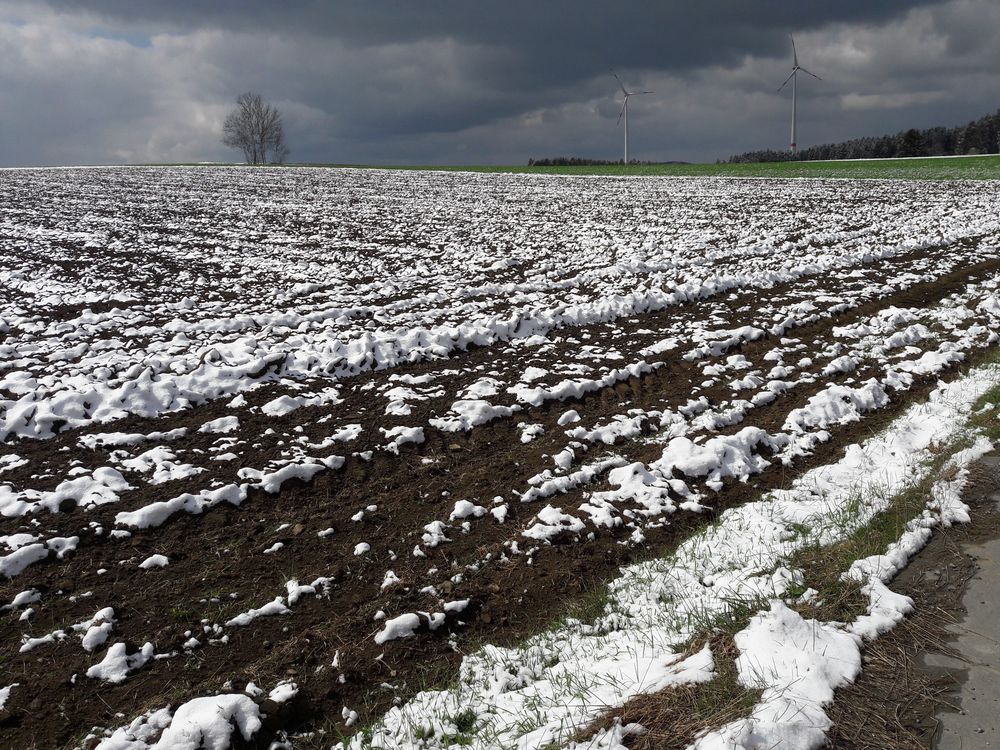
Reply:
x=932 y=168
x=985 y=167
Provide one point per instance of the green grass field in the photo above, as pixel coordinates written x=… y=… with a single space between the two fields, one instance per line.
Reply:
x=949 y=168
x=942 y=168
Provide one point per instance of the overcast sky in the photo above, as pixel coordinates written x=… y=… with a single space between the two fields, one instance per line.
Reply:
x=481 y=81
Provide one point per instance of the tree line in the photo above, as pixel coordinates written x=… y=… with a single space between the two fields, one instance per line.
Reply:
x=577 y=161
x=980 y=136
x=570 y=161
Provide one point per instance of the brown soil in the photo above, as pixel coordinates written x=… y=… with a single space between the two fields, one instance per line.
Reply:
x=674 y=718
x=220 y=553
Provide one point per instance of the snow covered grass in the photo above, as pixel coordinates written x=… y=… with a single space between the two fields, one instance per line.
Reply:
x=736 y=576
x=829 y=591
x=844 y=581
x=823 y=565
x=672 y=718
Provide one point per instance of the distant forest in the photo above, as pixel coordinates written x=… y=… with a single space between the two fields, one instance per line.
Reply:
x=980 y=136
x=576 y=161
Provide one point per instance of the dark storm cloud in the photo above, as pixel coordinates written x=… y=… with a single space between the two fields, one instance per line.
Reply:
x=552 y=42
x=455 y=81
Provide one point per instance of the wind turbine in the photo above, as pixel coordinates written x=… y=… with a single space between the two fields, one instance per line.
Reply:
x=795 y=69
x=624 y=111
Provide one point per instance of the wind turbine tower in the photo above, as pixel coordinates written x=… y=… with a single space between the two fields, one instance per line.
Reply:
x=794 y=74
x=624 y=111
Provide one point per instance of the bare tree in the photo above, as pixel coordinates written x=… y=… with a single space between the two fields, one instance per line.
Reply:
x=254 y=126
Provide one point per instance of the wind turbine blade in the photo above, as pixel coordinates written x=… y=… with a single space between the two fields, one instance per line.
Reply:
x=791 y=75
x=620 y=84
x=812 y=74
x=645 y=92
x=624 y=104
x=795 y=55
